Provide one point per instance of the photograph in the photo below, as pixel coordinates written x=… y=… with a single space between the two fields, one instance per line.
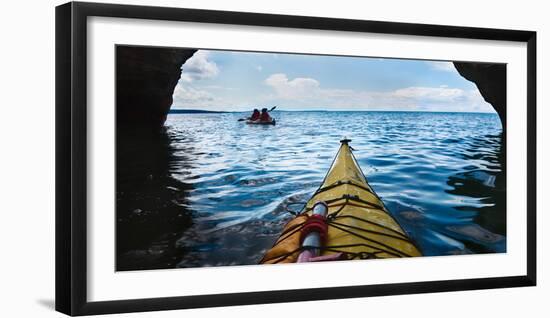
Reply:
x=227 y=158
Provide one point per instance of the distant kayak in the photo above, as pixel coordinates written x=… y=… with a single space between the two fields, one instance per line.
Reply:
x=259 y=122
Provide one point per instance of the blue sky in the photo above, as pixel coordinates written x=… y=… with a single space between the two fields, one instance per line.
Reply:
x=240 y=81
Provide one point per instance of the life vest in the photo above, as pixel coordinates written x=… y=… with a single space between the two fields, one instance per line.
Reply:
x=255 y=115
x=265 y=117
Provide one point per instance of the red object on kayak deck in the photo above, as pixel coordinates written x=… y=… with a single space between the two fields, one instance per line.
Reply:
x=308 y=257
x=317 y=223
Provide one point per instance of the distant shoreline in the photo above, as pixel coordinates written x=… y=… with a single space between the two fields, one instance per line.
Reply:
x=201 y=111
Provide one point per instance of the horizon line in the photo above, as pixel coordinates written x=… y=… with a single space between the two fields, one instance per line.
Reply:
x=334 y=110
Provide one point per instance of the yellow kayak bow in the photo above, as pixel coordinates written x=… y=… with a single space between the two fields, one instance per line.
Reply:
x=358 y=225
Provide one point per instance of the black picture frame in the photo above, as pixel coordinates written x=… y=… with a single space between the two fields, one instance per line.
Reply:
x=71 y=157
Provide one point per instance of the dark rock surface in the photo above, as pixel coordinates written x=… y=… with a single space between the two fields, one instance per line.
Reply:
x=490 y=79
x=145 y=79
x=151 y=204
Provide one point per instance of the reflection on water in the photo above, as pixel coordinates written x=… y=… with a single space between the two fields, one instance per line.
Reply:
x=214 y=191
x=150 y=203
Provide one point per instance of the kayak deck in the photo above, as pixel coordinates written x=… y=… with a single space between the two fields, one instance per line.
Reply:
x=359 y=226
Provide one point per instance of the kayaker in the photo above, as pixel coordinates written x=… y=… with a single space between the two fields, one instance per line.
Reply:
x=265 y=115
x=255 y=115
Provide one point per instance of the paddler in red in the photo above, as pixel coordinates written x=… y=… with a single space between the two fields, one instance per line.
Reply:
x=264 y=117
x=255 y=115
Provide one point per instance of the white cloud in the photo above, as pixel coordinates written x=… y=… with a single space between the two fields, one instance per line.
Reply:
x=185 y=95
x=442 y=98
x=429 y=93
x=307 y=93
x=442 y=66
x=297 y=88
x=206 y=97
x=198 y=67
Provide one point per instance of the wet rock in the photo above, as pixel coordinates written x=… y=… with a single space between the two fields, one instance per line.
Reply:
x=411 y=215
x=477 y=233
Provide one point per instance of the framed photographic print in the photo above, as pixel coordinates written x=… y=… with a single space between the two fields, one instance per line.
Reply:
x=211 y=158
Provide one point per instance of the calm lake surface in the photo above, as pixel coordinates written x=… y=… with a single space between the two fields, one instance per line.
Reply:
x=215 y=191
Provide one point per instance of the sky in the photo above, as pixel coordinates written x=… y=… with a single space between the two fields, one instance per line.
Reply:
x=241 y=81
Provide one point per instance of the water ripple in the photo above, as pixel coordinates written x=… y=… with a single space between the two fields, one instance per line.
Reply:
x=440 y=175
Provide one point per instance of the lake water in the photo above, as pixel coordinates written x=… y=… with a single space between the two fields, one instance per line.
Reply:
x=223 y=194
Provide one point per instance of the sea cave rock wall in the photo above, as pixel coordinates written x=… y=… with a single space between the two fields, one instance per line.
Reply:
x=490 y=79
x=145 y=82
